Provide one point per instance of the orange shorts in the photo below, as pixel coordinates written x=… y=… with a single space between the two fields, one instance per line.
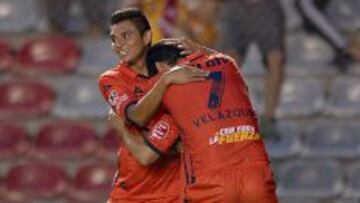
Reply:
x=157 y=200
x=252 y=182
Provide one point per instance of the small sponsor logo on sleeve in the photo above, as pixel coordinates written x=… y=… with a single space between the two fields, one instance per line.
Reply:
x=115 y=99
x=160 y=130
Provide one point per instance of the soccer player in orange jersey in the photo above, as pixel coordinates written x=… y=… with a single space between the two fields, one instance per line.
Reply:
x=225 y=158
x=137 y=180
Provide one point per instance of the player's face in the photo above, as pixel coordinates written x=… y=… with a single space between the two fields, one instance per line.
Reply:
x=127 y=41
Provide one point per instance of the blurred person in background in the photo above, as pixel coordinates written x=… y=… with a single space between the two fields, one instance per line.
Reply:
x=316 y=21
x=58 y=13
x=162 y=15
x=193 y=19
x=198 y=20
x=262 y=22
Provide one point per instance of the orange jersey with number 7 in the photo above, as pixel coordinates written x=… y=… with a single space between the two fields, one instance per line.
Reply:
x=219 y=124
x=224 y=157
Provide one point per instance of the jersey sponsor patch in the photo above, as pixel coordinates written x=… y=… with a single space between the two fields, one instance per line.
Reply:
x=115 y=99
x=234 y=134
x=160 y=130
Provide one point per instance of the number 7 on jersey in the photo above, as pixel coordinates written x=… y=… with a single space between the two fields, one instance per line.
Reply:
x=216 y=90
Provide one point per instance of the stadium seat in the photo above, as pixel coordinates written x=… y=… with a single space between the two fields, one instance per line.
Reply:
x=65 y=139
x=301 y=97
x=312 y=179
x=109 y=145
x=87 y=201
x=345 y=14
x=297 y=200
x=344 y=98
x=35 y=180
x=6 y=56
x=347 y=200
x=5 y=200
x=2 y=188
x=13 y=140
x=92 y=183
x=98 y=56
x=353 y=181
x=333 y=139
x=80 y=98
x=308 y=55
x=51 y=54
x=25 y=99
x=17 y=15
x=287 y=145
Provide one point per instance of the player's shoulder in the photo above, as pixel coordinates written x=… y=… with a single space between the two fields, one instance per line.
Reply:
x=108 y=73
x=112 y=74
x=221 y=56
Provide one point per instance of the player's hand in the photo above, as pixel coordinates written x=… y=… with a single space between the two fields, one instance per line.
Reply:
x=182 y=74
x=188 y=46
x=116 y=122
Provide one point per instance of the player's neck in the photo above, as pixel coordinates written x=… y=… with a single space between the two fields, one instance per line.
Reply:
x=140 y=67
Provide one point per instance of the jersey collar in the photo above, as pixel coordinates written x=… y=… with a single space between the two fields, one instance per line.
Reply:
x=125 y=69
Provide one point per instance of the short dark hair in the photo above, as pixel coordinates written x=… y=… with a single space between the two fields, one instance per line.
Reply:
x=161 y=52
x=135 y=15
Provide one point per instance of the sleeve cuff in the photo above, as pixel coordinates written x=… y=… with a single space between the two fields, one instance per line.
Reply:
x=128 y=119
x=153 y=147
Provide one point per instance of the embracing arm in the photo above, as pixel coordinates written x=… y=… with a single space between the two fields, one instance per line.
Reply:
x=134 y=141
x=141 y=112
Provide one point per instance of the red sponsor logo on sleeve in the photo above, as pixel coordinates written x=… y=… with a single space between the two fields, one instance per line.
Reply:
x=160 y=130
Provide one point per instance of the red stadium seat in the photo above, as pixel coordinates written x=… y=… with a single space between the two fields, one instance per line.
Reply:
x=111 y=141
x=2 y=189
x=52 y=54
x=109 y=145
x=64 y=139
x=6 y=56
x=13 y=141
x=92 y=183
x=25 y=98
x=36 y=180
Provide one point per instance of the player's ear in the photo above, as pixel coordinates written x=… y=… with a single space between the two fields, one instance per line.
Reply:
x=147 y=37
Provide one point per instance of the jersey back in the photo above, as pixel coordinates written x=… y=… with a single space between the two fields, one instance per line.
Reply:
x=216 y=117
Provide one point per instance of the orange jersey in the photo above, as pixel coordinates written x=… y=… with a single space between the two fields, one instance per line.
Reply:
x=219 y=126
x=120 y=87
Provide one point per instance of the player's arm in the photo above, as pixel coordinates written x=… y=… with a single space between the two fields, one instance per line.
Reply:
x=134 y=141
x=162 y=138
x=142 y=111
x=116 y=94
